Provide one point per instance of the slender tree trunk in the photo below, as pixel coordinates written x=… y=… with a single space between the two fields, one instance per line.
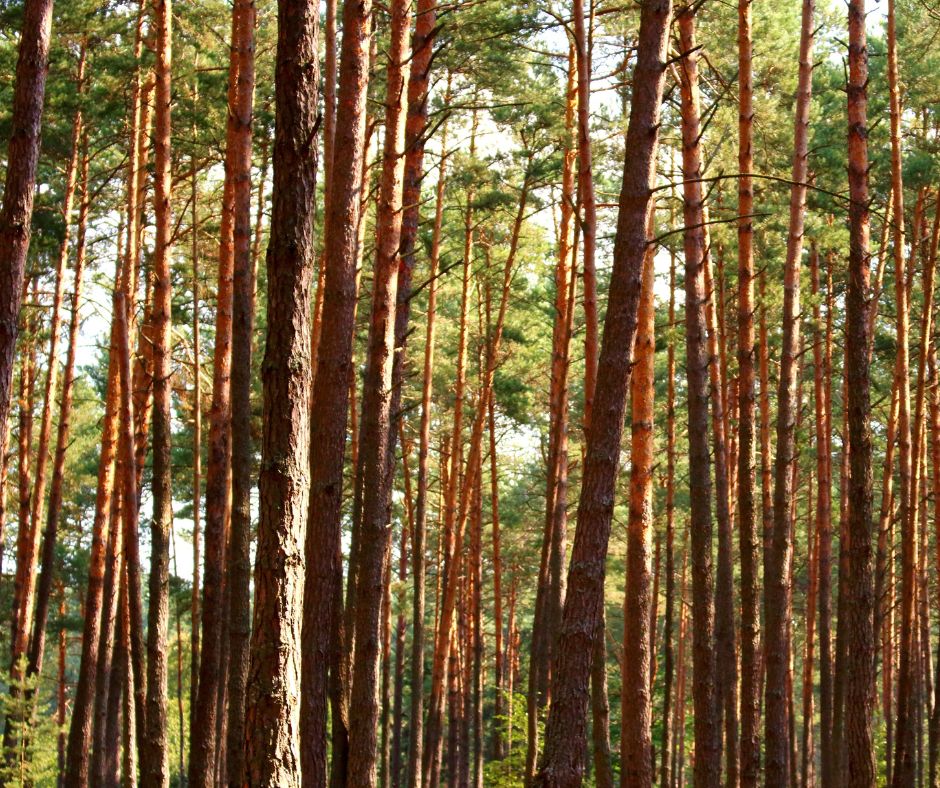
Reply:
x=566 y=728
x=243 y=303
x=749 y=541
x=415 y=738
x=859 y=635
x=78 y=755
x=54 y=511
x=707 y=735
x=26 y=594
x=154 y=759
x=375 y=536
x=16 y=212
x=195 y=608
x=636 y=700
x=272 y=717
x=205 y=744
x=451 y=541
x=777 y=586
x=904 y=753
x=669 y=661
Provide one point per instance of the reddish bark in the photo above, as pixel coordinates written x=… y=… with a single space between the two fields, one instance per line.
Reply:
x=859 y=766
x=636 y=695
x=16 y=211
x=707 y=767
x=239 y=559
x=272 y=718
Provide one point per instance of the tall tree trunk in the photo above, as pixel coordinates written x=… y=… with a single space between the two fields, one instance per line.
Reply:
x=566 y=729
x=323 y=587
x=205 y=744
x=272 y=717
x=777 y=587
x=416 y=726
x=707 y=735
x=81 y=729
x=859 y=764
x=669 y=661
x=195 y=608
x=636 y=705
x=749 y=540
x=451 y=541
x=375 y=534
x=154 y=760
x=243 y=310
x=25 y=590
x=16 y=212
x=904 y=753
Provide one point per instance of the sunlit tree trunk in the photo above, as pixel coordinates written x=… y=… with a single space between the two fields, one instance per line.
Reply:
x=272 y=716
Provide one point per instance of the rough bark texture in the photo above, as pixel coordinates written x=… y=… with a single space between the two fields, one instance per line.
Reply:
x=859 y=760
x=322 y=590
x=243 y=302
x=272 y=718
x=205 y=746
x=707 y=735
x=747 y=516
x=376 y=436
x=16 y=213
x=636 y=700
x=566 y=728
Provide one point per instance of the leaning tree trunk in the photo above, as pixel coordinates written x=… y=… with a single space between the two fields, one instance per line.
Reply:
x=16 y=212
x=566 y=729
x=272 y=716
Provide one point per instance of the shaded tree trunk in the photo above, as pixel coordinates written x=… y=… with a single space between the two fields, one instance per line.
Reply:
x=707 y=735
x=323 y=586
x=859 y=765
x=566 y=728
x=636 y=700
x=777 y=572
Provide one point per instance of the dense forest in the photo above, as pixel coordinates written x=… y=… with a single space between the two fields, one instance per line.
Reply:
x=539 y=393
